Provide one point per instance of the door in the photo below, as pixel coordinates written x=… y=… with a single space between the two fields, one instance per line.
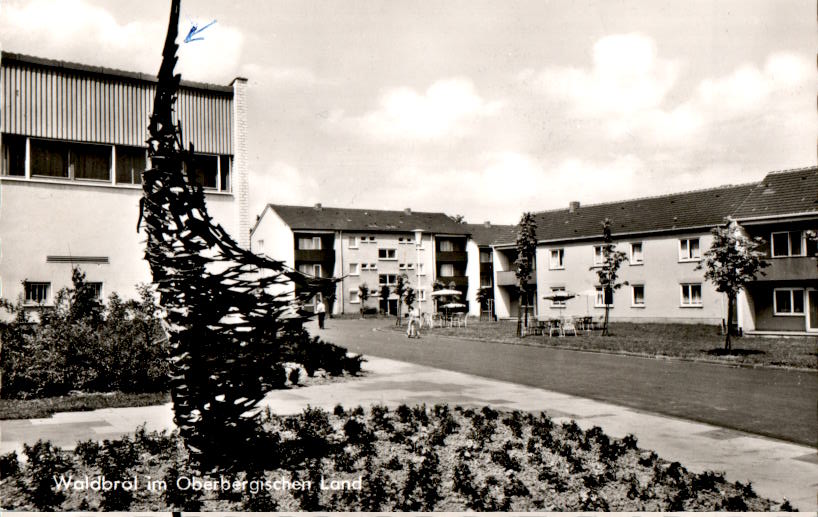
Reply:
x=812 y=310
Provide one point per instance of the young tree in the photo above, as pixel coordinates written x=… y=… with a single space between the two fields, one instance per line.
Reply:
x=400 y=290
x=329 y=294
x=363 y=294
x=483 y=295
x=383 y=294
x=524 y=265
x=608 y=273
x=409 y=297
x=733 y=260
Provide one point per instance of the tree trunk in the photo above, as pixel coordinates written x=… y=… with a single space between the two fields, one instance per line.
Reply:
x=520 y=316
x=730 y=302
x=605 y=322
x=400 y=309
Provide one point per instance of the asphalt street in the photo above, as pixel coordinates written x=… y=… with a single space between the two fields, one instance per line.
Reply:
x=772 y=402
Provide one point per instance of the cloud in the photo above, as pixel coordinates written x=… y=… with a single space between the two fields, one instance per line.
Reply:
x=75 y=30
x=281 y=183
x=271 y=76
x=444 y=110
x=626 y=76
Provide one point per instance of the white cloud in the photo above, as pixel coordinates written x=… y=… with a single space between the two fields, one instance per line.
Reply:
x=444 y=110
x=75 y=30
x=281 y=183
x=626 y=76
x=271 y=77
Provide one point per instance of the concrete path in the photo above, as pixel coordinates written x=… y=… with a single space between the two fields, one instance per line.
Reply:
x=777 y=469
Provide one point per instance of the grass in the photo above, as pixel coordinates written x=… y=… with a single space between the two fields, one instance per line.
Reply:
x=12 y=409
x=697 y=342
x=407 y=459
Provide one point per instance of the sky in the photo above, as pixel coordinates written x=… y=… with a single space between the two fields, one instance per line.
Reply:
x=478 y=108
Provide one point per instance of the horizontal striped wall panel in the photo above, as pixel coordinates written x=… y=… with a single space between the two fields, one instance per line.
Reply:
x=47 y=103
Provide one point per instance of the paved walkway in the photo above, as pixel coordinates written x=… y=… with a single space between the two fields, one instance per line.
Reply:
x=777 y=469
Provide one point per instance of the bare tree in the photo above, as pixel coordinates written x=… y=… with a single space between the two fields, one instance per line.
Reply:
x=608 y=272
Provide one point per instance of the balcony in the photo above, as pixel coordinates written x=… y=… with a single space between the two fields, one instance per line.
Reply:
x=459 y=281
x=506 y=278
x=789 y=268
x=451 y=256
x=316 y=256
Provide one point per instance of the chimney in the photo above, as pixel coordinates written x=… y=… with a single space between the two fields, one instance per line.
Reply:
x=317 y=207
x=407 y=211
x=573 y=206
x=487 y=224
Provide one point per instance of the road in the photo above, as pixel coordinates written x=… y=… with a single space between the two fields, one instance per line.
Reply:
x=771 y=402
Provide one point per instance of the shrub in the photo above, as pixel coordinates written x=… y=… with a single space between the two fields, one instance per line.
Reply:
x=9 y=465
x=44 y=462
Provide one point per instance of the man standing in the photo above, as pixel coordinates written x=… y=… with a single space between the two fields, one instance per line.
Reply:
x=414 y=324
x=321 y=311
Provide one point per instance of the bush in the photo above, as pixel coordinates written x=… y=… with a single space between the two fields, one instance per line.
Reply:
x=80 y=344
x=44 y=462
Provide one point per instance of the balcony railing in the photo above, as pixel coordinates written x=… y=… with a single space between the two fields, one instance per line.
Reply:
x=322 y=256
x=459 y=281
x=451 y=256
x=506 y=278
x=789 y=268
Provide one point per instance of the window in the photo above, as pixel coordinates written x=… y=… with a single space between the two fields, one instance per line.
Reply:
x=310 y=269
x=599 y=259
x=636 y=254
x=556 y=291
x=371 y=238
x=387 y=279
x=485 y=280
x=97 y=288
x=387 y=254
x=369 y=267
x=788 y=244
x=600 y=297
x=446 y=246
x=405 y=240
x=354 y=296
x=70 y=160
x=14 y=155
x=354 y=269
x=557 y=259
x=788 y=302
x=485 y=256
x=691 y=295
x=637 y=295
x=689 y=250
x=447 y=270
x=205 y=170
x=422 y=295
x=260 y=244
x=130 y=163
x=406 y=267
x=224 y=173
x=309 y=243
x=37 y=292
x=420 y=269
x=353 y=242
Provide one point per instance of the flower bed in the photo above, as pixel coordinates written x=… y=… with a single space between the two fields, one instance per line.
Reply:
x=409 y=459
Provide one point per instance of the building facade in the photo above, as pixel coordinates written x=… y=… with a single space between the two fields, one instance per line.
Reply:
x=482 y=238
x=73 y=151
x=371 y=247
x=782 y=210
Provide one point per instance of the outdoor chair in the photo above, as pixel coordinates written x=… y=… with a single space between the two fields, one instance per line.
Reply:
x=554 y=327
x=569 y=326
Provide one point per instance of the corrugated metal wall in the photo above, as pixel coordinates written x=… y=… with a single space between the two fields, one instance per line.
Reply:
x=68 y=105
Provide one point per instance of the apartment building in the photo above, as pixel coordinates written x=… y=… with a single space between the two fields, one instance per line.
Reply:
x=73 y=151
x=480 y=251
x=371 y=247
x=783 y=211
x=663 y=238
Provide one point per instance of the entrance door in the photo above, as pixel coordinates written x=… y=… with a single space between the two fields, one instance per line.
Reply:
x=812 y=310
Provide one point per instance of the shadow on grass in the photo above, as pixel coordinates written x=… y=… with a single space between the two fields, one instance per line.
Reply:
x=733 y=351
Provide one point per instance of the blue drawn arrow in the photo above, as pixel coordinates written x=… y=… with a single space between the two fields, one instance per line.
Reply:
x=194 y=30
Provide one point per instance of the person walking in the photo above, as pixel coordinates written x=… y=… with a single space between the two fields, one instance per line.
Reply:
x=321 y=311
x=414 y=324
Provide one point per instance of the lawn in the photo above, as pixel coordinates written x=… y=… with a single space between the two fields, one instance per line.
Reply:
x=12 y=409
x=698 y=342
x=406 y=459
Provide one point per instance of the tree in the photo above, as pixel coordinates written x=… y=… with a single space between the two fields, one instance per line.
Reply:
x=400 y=291
x=733 y=260
x=483 y=295
x=608 y=272
x=329 y=294
x=459 y=219
x=524 y=264
x=384 y=296
x=410 y=296
x=363 y=294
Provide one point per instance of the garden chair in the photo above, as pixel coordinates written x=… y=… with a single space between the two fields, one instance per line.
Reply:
x=554 y=327
x=569 y=326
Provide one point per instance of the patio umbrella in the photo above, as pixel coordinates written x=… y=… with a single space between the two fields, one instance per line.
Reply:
x=559 y=298
x=588 y=293
x=453 y=305
x=446 y=292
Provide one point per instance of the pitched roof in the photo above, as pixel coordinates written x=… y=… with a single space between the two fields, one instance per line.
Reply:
x=684 y=210
x=354 y=219
x=793 y=191
x=488 y=234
